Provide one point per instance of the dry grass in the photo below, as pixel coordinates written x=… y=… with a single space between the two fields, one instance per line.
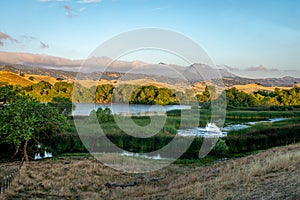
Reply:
x=250 y=88
x=90 y=83
x=14 y=79
x=6 y=168
x=272 y=174
x=38 y=78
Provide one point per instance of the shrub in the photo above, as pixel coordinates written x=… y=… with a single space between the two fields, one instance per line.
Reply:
x=220 y=149
x=31 y=78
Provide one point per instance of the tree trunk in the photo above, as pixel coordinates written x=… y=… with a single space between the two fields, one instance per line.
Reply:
x=16 y=152
x=25 y=151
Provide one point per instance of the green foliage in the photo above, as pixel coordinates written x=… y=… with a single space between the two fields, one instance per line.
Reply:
x=262 y=136
x=152 y=95
x=25 y=119
x=208 y=94
x=104 y=93
x=101 y=115
x=7 y=93
x=82 y=94
x=63 y=105
x=238 y=142
x=31 y=78
x=220 y=149
x=278 y=99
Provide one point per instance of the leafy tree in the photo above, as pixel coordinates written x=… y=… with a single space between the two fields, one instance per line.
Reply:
x=62 y=89
x=40 y=91
x=82 y=94
x=7 y=93
x=41 y=87
x=208 y=94
x=104 y=93
x=25 y=119
x=62 y=104
x=31 y=78
x=221 y=149
x=104 y=115
x=164 y=96
x=123 y=93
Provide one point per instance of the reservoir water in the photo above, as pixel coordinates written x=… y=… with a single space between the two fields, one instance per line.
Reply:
x=84 y=109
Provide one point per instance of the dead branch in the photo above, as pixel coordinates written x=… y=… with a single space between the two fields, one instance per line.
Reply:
x=131 y=184
x=114 y=185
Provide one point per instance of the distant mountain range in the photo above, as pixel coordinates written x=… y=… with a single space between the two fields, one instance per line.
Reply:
x=94 y=67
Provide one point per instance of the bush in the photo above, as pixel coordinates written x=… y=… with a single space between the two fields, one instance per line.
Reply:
x=220 y=149
x=31 y=78
x=104 y=115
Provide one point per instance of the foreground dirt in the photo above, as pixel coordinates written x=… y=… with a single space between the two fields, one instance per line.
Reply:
x=272 y=174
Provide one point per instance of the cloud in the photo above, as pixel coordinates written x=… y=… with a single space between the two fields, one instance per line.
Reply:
x=43 y=45
x=82 y=9
x=88 y=1
x=69 y=11
x=28 y=37
x=23 y=41
x=5 y=37
x=156 y=9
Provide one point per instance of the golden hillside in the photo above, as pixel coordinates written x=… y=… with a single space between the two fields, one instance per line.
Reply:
x=25 y=79
x=199 y=87
x=14 y=79
x=250 y=88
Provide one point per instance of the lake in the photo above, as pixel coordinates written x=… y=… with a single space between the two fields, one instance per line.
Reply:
x=83 y=109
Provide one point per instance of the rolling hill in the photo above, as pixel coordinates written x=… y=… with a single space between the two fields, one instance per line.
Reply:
x=52 y=69
x=14 y=79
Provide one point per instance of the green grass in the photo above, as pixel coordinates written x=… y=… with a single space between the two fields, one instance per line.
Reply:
x=264 y=126
x=241 y=142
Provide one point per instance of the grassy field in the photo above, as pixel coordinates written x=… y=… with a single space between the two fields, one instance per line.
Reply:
x=14 y=79
x=250 y=88
x=270 y=174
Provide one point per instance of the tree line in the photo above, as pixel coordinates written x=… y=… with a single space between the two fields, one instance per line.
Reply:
x=133 y=94
x=106 y=93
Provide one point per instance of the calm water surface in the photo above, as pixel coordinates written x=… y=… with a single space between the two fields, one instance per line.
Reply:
x=86 y=108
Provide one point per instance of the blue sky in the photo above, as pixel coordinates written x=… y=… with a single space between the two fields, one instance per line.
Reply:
x=238 y=33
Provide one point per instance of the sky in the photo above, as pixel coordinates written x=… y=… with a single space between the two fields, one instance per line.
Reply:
x=237 y=33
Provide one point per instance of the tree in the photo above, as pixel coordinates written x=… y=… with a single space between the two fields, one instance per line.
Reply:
x=41 y=91
x=25 y=119
x=63 y=105
x=123 y=93
x=31 y=78
x=221 y=149
x=7 y=93
x=104 y=115
x=104 y=93
x=63 y=89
